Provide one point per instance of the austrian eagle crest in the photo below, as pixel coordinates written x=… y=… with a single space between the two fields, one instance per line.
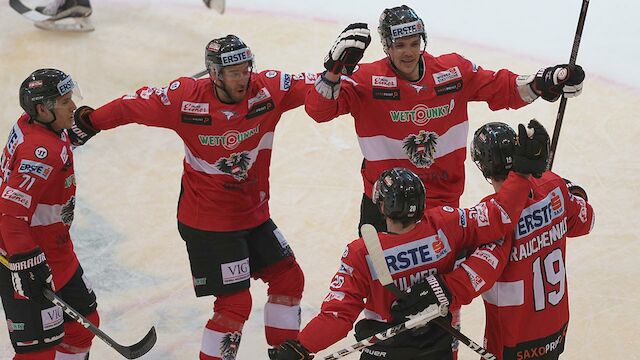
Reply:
x=236 y=165
x=421 y=148
x=229 y=345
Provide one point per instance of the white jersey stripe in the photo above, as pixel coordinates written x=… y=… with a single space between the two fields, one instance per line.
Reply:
x=505 y=293
x=380 y=147
x=201 y=165
x=46 y=215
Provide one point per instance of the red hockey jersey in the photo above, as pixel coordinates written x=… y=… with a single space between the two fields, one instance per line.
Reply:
x=422 y=125
x=225 y=183
x=38 y=196
x=429 y=248
x=524 y=279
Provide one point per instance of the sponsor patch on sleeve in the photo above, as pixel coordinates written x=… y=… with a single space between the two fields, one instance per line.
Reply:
x=476 y=280
x=36 y=168
x=487 y=256
x=447 y=75
x=285 y=82
x=480 y=212
x=334 y=295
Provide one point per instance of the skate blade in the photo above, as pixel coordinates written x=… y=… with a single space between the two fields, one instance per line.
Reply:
x=81 y=24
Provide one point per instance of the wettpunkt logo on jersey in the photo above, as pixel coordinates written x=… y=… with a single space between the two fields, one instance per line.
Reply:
x=230 y=139
x=421 y=148
x=414 y=254
x=261 y=95
x=384 y=81
x=17 y=196
x=447 y=75
x=421 y=114
x=236 y=57
x=406 y=29
x=36 y=168
x=540 y=214
x=195 y=108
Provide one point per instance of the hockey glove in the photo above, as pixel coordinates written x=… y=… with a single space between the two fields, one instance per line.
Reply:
x=553 y=82
x=290 y=350
x=82 y=130
x=348 y=49
x=576 y=190
x=31 y=274
x=531 y=152
x=419 y=297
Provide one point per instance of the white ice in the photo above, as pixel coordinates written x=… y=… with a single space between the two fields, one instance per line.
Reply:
x=125 y=229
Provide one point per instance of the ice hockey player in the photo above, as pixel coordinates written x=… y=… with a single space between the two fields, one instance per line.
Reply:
x=227 y=123
x=36 y=210
x=523 y=278
x=66 y=15
x=415 y=248
x=410 y=108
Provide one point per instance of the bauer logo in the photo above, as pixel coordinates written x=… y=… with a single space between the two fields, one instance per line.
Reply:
x=414 y=254
x=447 y=75
x=236 y=57
x=36 y=168
x=235 y=272
x=407 y=29
x=540 y=214
x=195 y=108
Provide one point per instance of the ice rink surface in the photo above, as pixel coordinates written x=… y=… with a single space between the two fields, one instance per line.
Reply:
x=128 y=178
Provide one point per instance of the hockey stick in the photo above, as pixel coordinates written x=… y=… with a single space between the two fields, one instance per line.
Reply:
x=563 y=101
x=199 y=74
x=374 y=248
x=130 y=352
x=422 y=318
x=217 y=5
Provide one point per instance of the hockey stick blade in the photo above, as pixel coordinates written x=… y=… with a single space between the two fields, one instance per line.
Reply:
x=421 y=319
x=130 y=352
x=374 y=248
x=28 y=12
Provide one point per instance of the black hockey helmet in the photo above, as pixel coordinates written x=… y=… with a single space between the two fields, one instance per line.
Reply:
x=402 y=194
x=492 y=149
x=226 y=51
x=44 y=86
x=399 y=22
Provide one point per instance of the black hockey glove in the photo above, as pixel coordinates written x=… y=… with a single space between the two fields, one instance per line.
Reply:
x=531 y=152
x=31 y=274
x=576 y=190
x=290 y=350
x=553 y=82
x=82 y=130
x=419 y=297
x=348 y=49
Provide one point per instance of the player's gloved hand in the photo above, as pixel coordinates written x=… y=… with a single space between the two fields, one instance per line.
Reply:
x=420 y=296
x=531 y=152
x=82 y=130
x=348 y=49
x=290 y=350
x=555 y=81
x=30 y=274
x=576 y=190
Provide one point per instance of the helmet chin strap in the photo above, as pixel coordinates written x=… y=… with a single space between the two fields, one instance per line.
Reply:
x=48 y=124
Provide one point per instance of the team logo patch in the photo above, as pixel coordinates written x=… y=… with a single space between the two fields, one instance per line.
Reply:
x=36 y=168
x=230 y=344
x=174 y=85
x=447 y=75
x=236 y=165
x=417 y=88
x=41 y=152
x=421 y=148
x=17 y=196
x=235 y=272
x=422 y=114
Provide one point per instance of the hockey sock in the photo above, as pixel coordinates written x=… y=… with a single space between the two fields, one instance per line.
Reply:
x=282 y=310
x=77 y=339
x=222 y=334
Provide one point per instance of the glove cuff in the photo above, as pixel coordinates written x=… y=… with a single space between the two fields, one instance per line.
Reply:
x=27 y=260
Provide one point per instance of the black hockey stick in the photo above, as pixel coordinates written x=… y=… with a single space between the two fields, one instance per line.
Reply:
x=563 y=101
x=426 y=315
x=217 y=5
x=374 y=248
x=28 y=12
x=199 y=74
x=130 y=352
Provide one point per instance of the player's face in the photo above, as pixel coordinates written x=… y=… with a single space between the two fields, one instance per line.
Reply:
x=405 y=54
x=236 y=80
x=63 y=111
